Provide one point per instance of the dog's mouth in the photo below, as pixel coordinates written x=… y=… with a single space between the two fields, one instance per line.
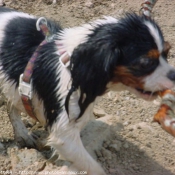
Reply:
x=148 y=95
x=147 y=92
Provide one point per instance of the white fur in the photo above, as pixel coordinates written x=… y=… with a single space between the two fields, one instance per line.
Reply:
x=66 y=132
x=158 y=80
x=67 y=40
x=154 y=32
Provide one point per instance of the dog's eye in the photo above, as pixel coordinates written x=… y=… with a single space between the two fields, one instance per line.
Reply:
x=146 y=62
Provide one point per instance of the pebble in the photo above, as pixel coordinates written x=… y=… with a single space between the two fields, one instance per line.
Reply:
x=126 y=146
x=23 y=114
x=99 y=112
x=98 y=153
x=105 y=145
x=148 y=144
x=112 y=170
x=114 y=148
x=156 y=102
x=131 y=129
x=89 y=4
x=102 y=159
x=1 y=146
x=31 y=122
x=1 y=101
x=24 y=158
x=126 y=123
x=106 y=153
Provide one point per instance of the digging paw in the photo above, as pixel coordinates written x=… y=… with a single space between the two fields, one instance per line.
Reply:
x=29 y=141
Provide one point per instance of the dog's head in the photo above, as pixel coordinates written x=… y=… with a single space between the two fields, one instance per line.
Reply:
x=142 y=66
x=130 y=53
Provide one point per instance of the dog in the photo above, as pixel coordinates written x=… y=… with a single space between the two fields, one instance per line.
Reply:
x=128 y=53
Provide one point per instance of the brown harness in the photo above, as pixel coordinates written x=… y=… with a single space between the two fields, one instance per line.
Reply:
x=25 y=82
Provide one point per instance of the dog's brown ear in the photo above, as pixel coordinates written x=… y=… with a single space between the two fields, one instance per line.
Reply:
x=166 y=48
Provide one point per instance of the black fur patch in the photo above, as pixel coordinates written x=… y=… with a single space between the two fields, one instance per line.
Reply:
x=110 y=45
x=20 y=41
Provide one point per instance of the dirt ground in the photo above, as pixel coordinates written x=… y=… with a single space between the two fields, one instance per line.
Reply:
x=136 y=145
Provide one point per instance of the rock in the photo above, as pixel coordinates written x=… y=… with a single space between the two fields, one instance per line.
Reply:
x=98 y=131
x=145 y=127
x=1 y=100
x=105 y=145
x=1 y=146
x=21 y=159
x=99 y=112
x=157 y=102
x=121 y=11
x=126 y=146
x=106 y=153
x=31 y=122
x=102 y=159
x=115 y=147
x=89 y=4
x=126 y=123
x=23 y=114
x=98 y=153
x=107 y=142
x=37 y=166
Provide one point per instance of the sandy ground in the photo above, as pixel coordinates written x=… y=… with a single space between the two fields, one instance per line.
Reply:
x=133 y=144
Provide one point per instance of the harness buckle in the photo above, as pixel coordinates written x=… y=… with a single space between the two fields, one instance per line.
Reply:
x=25 y=88
x=65 y=59
x=41 y=25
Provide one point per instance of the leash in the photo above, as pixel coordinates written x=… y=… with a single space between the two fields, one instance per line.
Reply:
x=25 y=82
x=146 y=7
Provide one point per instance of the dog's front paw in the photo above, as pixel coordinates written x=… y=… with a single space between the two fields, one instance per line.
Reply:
x=29 y=140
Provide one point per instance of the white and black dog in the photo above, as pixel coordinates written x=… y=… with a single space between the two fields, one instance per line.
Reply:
x=108 y=54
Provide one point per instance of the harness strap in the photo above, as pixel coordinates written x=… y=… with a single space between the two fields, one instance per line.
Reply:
x=25 y=84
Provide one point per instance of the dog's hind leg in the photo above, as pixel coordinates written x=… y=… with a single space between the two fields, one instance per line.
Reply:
x=22 y=136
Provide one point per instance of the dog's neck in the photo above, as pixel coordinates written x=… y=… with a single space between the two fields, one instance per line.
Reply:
x=71 y=38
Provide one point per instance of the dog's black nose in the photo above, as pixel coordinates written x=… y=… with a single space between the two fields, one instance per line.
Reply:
x=171 y=75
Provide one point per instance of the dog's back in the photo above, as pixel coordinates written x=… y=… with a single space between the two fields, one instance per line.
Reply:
x=19 y=39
